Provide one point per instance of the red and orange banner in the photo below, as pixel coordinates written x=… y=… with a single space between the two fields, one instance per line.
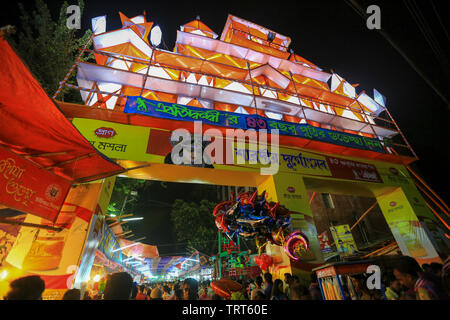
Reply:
x=353 y=170
x=26 y=187
x=140 y=249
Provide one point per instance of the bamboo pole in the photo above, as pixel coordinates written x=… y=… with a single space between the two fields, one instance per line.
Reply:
x=27 y=224
x=389 y=246
x=436 y=214
x=126 y=215
x=428 y=187
x=434 y=201
x=118 y=235
x=71 y=160
x=116 y=224
x=48 y=154
x=312 y=198
x=363 y=215
x=360 y=218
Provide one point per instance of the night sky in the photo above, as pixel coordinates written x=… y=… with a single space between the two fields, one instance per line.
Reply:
x=331 y=35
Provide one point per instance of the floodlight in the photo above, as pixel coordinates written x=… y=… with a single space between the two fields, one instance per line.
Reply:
x=98 y=24
x=155 y=36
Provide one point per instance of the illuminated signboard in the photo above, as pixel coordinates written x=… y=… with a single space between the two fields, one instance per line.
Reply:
x=173 y=111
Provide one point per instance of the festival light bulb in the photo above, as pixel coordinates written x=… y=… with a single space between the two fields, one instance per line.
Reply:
x=129 y=246
x=98 y=24
x=97 y=278
x=132 y=219
x=155 y=36
x=3 y=275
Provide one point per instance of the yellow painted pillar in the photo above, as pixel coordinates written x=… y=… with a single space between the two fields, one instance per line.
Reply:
x=94 y=234
x=290 y=191
x=406 y=214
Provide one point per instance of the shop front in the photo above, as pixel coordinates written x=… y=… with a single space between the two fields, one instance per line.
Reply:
x=51 y=180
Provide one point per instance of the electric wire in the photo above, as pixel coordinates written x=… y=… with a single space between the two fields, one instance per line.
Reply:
x=440 y=20
x=356 y=7
x=430 y=31
x=426 y=31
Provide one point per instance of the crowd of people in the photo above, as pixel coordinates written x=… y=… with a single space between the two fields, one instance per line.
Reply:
x=406 y=281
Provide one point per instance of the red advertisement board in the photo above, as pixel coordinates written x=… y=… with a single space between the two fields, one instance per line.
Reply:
x=26 y=187
x=324 y=242
x=353 y=170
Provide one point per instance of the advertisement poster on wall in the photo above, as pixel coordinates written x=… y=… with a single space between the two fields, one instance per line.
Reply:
x=54 y=255
x=8 y=234
x=95 y=232
x=343 y=240
x=324 y=242
x=411 y=237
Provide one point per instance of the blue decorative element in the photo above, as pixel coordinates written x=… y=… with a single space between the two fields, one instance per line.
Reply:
x=172 y=111
x=108 y=243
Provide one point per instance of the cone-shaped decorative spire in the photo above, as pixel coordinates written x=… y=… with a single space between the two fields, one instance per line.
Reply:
x=273 y=210
x=253 y=198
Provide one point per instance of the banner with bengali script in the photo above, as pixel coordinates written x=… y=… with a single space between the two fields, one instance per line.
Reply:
x=115 y=140
x=343 y=239
x=353 y=170
x=108 y=244
x=26 y=187
x=289 y=160
x=406 y=228
x=173 y=111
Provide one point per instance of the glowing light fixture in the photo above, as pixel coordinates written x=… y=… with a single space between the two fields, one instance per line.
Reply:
x=132 y=219
x=155 y=36
x=139 y=258
x=190 y=259
x=98 y=24
x=128 y=259
x=97 y=278
x=131 y=245
x=3 y=275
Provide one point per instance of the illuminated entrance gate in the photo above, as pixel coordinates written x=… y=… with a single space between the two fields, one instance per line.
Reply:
x=330 y=139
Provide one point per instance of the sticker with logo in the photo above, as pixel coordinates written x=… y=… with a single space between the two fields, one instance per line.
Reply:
x=394 y=171
x=395 y=206
x=291 y=189
x=53 y=192
x=104 y=132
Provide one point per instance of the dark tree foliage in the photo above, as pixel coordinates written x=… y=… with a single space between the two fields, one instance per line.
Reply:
x=193 y=224
x=48 y=47
x=177 y=216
